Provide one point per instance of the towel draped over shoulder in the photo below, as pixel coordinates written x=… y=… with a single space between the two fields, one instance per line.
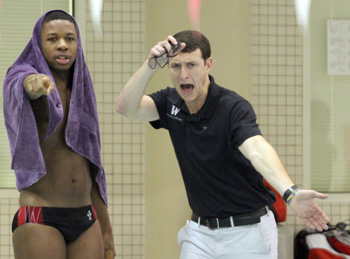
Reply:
x=82 y=129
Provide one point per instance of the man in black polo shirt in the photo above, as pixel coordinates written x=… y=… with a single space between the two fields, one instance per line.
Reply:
x=221 y=152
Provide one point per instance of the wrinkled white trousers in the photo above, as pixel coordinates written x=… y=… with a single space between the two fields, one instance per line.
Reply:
x=257 y=241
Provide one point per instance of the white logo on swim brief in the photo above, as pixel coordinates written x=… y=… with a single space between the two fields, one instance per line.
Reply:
x=89 y=214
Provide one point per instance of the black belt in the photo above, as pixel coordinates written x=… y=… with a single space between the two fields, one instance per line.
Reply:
x=233 y=221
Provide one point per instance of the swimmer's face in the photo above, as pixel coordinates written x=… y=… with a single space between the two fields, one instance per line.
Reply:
x=59 y=44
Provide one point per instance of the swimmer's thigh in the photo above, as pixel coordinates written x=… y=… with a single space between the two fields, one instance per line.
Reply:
x=39 y=242
x=89 y=244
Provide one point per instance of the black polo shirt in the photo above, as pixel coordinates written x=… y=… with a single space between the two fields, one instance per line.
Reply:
x=219 y=180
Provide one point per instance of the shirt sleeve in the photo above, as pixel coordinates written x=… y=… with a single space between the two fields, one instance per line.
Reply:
x=160 y=100
x=243 y=123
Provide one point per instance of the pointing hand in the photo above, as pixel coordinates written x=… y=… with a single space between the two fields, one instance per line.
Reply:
x=37 y=85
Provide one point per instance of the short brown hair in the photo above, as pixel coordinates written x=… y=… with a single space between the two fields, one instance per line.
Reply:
x=194 y=40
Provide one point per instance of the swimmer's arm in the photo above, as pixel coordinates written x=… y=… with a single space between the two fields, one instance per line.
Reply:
x=103 y=218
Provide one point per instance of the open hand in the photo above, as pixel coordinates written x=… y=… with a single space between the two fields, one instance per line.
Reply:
x=306 y=208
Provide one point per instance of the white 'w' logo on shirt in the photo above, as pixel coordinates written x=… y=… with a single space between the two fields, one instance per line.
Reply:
x=174 y=110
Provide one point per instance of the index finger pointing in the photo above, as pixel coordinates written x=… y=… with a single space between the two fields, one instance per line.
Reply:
x=46 y=81
x=47 y=84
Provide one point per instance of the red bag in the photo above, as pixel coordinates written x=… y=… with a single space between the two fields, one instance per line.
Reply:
x=339 y=240
x=279 y=208
x=333 y=244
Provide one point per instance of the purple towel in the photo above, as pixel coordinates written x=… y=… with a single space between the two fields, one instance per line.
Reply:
x=82 y=130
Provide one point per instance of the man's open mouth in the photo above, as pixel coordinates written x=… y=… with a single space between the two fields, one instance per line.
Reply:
x=187 y=88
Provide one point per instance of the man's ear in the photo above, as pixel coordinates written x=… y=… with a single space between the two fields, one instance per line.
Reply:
x=208 y=63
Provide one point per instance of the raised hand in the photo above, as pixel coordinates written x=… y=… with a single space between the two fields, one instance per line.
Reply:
x=161 y=53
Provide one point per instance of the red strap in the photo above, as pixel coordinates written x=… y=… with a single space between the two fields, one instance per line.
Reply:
x=339 y=246
x=319 y=253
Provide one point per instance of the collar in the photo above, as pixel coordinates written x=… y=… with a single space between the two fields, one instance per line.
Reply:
x=209 y=105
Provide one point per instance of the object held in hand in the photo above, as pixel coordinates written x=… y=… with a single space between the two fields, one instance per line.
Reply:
x=175 y=47
x=163 y=59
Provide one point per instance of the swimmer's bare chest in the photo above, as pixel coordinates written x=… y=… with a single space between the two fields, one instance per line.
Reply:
x=67 y=182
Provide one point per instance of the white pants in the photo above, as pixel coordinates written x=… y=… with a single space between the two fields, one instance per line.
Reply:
x=257 y=241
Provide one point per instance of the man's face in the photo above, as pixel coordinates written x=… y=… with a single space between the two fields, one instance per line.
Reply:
x=190 y=75
x=59 y=44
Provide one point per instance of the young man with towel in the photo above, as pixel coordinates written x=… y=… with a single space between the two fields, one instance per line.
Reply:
x=52 y=124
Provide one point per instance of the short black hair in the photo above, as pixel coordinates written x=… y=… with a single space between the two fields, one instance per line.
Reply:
x=194 y=40
x=57 y=15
